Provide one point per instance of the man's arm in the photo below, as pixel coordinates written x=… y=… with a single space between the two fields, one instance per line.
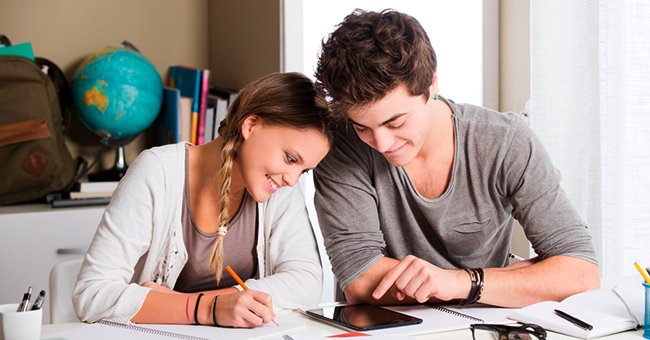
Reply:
x=412 y=279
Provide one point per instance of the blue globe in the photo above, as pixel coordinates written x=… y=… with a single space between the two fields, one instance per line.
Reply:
x=117 y=93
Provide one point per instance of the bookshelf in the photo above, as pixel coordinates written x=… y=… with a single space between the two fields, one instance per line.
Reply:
x=238 y=40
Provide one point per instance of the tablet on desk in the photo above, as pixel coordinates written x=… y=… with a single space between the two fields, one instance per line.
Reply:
x=362 y=317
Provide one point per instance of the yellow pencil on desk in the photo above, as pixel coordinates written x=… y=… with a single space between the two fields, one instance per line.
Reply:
x=242 y=284
x=645 y=276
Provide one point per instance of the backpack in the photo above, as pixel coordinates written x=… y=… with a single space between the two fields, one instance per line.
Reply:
x=34 y=160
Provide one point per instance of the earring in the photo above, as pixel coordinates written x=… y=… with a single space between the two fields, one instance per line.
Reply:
x=435 y=97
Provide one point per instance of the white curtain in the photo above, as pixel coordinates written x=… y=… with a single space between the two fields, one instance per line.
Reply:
x=590 y=105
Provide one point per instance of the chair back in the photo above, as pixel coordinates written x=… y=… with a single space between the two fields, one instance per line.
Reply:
x=62 y=280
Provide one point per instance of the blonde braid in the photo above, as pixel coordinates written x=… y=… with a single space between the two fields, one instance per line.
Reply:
x=228 y=154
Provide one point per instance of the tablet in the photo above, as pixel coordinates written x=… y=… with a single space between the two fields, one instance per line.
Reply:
x=362 y=317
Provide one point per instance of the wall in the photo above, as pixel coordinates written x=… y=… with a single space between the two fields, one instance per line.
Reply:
x=514 y=75
x=244 y=40
x=65 y=31
x=238 y=40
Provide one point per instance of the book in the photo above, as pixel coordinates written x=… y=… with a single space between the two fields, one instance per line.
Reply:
x=22 y=50
x=609 y=311
x=113 y=330
x=169 y=119
x=203 y=95
x=186 y=119
x=78 y=194
x=209 y=125
x=104 y=186
x=220 y=104
x=79 y=202
x=188 y=81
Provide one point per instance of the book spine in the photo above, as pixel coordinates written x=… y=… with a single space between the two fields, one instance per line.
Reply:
x=203 y=100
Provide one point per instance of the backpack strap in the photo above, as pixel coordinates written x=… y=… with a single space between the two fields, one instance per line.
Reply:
x=62 y=89
x=4 y=40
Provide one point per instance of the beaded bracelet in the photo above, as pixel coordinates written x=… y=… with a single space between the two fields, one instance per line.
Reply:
x=214 y=308
x=196 y=309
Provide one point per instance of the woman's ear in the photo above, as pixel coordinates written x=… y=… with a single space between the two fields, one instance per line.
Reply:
x=249 y=124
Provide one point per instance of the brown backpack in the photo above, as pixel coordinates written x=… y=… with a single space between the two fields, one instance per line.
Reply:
x=34 y=160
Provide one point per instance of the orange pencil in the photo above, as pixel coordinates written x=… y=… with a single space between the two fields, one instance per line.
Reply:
x=242 y=284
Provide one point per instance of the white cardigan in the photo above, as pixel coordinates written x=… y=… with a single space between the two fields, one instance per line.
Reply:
x=140 y=238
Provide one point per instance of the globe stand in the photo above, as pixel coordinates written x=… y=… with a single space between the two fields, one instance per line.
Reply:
x=119 y=167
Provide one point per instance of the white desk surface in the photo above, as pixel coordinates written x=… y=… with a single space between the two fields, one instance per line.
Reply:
x=318 y=329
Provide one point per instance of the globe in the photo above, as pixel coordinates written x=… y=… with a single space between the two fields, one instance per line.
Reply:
x=116 y=93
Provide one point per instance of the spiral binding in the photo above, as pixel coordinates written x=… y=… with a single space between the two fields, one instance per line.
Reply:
x=150 y=330
x=453 y=312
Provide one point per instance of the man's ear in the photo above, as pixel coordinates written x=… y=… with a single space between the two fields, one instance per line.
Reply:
x=249 y=124
x=434 y=83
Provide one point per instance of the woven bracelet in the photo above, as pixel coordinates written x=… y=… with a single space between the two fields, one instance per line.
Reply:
x=472 y=292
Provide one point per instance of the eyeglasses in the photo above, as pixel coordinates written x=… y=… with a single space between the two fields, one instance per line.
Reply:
x=526 y=331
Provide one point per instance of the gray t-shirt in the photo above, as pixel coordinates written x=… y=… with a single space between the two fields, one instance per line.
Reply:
x=368 y=208
x=239 y=247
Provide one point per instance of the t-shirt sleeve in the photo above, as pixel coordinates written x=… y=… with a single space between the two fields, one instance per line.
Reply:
x=346 y=204
x=531 y=182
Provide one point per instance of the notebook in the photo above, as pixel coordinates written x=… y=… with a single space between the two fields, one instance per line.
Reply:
x=108 y=330
x=609 y=311
x=442 y=318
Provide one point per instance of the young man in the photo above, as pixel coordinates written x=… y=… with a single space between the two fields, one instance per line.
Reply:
x=418 y=196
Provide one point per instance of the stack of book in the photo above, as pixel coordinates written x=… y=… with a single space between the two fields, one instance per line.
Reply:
x=191 y=110
x=93 y=189
x=84 y=193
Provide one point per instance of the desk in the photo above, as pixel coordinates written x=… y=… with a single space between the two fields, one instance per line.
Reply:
x=315 y=328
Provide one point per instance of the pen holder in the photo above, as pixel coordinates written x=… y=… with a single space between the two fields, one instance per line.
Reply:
x=20 y=325
x=646 y=315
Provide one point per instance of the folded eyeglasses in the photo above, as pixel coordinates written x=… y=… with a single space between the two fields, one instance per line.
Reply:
x=526 y=331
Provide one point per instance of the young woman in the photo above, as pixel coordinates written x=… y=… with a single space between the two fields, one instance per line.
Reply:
x=184 y=212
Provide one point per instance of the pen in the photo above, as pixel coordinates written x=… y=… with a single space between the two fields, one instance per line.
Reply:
x=643 y=273
x=25 y=301
x=38 y=303
x=574 y=320
x=242 y=284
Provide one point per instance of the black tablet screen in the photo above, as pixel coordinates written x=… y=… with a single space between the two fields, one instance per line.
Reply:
x=363 y=317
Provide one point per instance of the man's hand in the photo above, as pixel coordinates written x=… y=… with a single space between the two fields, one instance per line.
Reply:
x=422 y=281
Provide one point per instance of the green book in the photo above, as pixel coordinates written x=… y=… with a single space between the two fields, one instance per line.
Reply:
x=22 y=50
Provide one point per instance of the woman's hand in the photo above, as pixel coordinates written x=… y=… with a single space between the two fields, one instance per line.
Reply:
x=244 y=309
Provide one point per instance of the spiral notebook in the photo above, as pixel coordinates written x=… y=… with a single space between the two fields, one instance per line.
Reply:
x=609 y=311
x=442 y=318
x=108 y=330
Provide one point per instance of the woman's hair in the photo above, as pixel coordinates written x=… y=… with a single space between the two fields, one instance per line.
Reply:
x=371 y=53
x=287 y=99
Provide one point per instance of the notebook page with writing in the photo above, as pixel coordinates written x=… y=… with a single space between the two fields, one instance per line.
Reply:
x=600 y=308
x=106 y=330
x=437 y=318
